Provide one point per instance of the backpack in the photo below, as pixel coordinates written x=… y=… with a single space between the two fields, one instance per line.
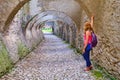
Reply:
x=94 y=40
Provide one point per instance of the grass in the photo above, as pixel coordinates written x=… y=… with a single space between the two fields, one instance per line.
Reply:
x=98 y=74
x=78 y=51
x=5 y=62
x=101 y=73
x=22 y=50
x=66 y=42
x=44 y=30
x=71 y=47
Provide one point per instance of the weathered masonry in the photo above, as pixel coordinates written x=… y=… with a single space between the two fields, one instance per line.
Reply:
x=20 y=31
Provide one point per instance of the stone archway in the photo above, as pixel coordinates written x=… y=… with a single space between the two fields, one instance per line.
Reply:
x=106 y=25
x=8 y=11
x=14 y=8
x=40 y=19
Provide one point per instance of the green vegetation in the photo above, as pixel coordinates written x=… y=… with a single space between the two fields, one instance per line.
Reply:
x=66 y=43
x=22 y=50
x=44 y=30
x=5 y=62
x=78 y=51
x=72 y=47
x=98 y=74
x=101 y=74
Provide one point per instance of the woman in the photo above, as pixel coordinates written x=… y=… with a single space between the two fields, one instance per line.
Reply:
x=88 y=29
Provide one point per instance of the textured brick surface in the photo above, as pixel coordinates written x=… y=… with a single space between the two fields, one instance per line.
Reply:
x=107 y=21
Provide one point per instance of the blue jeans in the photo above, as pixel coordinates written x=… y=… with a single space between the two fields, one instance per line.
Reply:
x=86 y=55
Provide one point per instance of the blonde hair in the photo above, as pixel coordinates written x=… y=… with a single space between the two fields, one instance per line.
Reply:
x=87 y=26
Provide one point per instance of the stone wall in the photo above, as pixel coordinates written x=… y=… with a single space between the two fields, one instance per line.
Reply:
x=109 y=41
x=106 y=26
x=15 y=39
x=8 y=10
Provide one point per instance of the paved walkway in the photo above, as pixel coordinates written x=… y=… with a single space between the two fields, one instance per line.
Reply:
x=52 y=60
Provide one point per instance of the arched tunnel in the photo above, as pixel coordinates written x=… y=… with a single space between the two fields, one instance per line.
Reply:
x=21 y=22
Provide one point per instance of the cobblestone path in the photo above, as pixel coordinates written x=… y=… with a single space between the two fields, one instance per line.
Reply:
x=51 y=60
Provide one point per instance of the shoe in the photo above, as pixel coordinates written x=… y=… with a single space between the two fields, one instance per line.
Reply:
x=88 y=68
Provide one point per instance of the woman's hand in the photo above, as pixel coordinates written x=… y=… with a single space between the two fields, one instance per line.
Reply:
x=91 y=21
x=92 y=17
x=83 y=51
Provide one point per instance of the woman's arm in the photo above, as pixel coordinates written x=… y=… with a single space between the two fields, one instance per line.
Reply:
x=91 y=21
